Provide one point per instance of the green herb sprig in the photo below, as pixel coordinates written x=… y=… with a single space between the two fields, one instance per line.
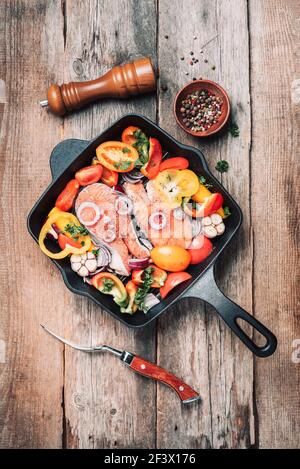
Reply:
x=144 y=288
x=222 y=166
x=142 y=146
x=233 y=129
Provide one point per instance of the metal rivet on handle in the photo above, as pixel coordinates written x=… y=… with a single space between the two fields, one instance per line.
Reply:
x=181 y=388
x=143 y=366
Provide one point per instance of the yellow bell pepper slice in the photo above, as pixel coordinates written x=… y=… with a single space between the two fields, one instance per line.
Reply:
x=56 y=216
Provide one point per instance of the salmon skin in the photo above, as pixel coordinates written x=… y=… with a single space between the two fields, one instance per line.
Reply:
x=175 y=232
x=112 y=229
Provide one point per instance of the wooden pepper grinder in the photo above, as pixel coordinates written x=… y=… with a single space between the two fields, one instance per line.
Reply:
x=120 y=82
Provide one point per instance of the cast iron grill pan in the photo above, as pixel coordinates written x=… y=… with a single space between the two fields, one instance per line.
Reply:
x=71 y=155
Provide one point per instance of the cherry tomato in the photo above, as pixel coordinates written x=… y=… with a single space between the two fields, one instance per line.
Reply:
x=89 y=174
x=200 y=249
x=117 y=156
x=172 y=281
x=151 y=168
x=127 y=135
x=110 y=178
x=63 y=240
x=171 y=258
x=66 y=198
x=174 y=163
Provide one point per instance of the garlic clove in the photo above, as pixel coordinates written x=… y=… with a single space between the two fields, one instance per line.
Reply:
x=83 y=271
x=206 y=221
x=210 y=231
x=216 y=219
x=90 y=255
x=220 y=228
x=91 y=265
x=75 y=266
x=75 y=258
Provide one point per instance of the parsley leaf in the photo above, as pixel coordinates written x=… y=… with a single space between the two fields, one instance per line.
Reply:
x=75 y=230
x=144 y=288
x=222 y=166
x=227 y=211
x=142 y=145
x=107 y=285
x=202 y=181
x=233 y=129
x=95 y=252
x=125 y=150
x=122 y=165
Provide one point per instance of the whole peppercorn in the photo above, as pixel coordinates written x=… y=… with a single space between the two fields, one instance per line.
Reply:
x=200 y=110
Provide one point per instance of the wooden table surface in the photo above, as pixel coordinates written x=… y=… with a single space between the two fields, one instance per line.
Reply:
x=55 y=397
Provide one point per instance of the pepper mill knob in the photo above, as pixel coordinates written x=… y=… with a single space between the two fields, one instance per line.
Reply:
x=120 y=82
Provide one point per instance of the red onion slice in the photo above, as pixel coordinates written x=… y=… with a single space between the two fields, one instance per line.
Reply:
x=196 y=226
x=178 y=213
x=118 y=189
x=138 y=263
x=150 y=301
x=109 y=236
x=52 y=233
x=123 y=205
x=93 y=206
x=146 y=243
x=157 y=220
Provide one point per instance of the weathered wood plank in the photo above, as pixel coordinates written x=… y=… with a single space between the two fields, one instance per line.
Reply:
x=106 y=405
x=275 y=72
x=192 y=341
x=31 y=366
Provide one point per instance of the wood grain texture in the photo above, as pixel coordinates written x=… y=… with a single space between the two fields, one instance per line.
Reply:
x=275 y=72
x=106 y=405
x=206 y=351
x=31 y=372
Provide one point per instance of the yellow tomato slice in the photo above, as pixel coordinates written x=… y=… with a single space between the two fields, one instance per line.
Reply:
x=188 y=182
x=117 y=156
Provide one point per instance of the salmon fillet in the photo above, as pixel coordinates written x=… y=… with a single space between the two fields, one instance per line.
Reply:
x=175 y=232
x=110 y=221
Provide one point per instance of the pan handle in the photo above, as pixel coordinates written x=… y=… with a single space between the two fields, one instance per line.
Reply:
x=208 y=290
x=65 y=153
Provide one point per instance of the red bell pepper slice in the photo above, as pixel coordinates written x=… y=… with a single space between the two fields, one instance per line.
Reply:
x=151 y=168
x=63 y=240
x=172 y=281
x=177 y=162
x=158 y=275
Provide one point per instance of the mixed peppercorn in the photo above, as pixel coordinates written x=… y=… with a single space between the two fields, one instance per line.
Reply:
x=200 y=110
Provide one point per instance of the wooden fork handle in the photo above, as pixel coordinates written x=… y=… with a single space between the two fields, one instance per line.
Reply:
x=150 y=370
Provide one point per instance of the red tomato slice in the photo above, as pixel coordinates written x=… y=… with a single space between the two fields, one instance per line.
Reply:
x=66 y=198
x=63 y=240
x=117 y=156
x=110 y=178
x=200 y=249
x=177 y=162
x=172 y=281
x=127 y=135
x=158 y=275
x=151 y=168
x=89 y=174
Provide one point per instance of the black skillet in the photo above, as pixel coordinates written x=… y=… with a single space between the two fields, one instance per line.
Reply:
x=70 y=155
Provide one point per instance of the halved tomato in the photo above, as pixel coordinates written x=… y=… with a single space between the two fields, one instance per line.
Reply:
x=177 y=162
x=151 y=168
x=110 y=178
x=158 y=276
x=117 y=156
x=172 y=281
x=200 y=249
x=66 y=198
x=89 y=174
x=210 y=205
x=128 y=135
